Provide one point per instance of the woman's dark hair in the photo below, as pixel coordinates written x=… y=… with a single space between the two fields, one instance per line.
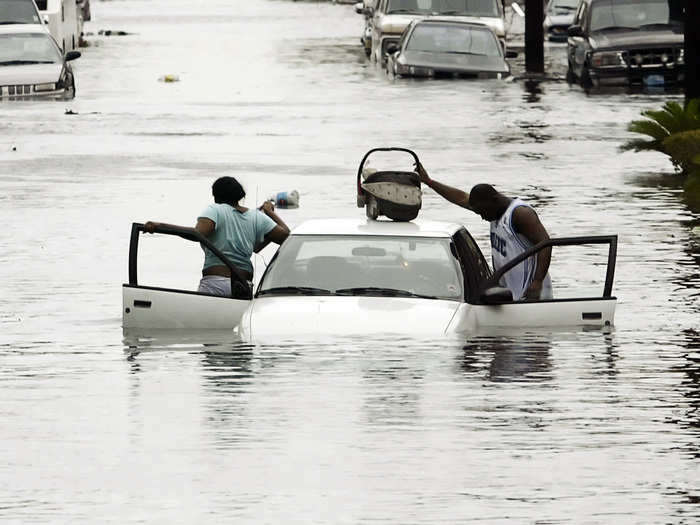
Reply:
x=227 y=190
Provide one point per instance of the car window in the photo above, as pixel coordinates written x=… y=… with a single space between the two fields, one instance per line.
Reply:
x=422 y=265
x=476 y=269
x=18 y=12
x=450 y=38
x=482 y=266
x=562 y=6
x=630 y=14
x=581 y=15
x=436 y=7
x=28 y=48
x=404 y=36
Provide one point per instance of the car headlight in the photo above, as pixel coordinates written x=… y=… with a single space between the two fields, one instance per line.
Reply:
x=681 y=56
x=608 y=59
x=401 y=69
x=421 y=71
x=44 y=87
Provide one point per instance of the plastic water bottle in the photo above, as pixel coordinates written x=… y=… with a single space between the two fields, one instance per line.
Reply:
x=286 y=199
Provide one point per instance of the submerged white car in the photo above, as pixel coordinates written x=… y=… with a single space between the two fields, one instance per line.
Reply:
x=32 y=65
x=361 y=276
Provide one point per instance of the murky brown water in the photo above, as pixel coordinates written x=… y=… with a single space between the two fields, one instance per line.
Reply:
x=546 y=427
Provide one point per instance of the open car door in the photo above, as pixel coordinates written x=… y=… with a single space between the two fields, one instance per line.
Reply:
x=157 y=308
x=495 y=307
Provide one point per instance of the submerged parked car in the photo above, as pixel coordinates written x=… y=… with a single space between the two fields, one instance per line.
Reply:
x=391 y=17
x=559 y=15
x=366 y=8
x=32 y=65
x=441 y=47
x=627 y=43
x=19 y=12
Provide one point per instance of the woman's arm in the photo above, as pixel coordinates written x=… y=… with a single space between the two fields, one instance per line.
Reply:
x=279 y=233
x=204 y=226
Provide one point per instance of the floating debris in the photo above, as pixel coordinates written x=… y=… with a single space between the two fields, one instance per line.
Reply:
x=169 y=78
x=286 y=199
x=109 y=32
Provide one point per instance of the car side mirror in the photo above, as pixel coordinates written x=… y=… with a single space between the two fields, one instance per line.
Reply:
x=45 y=19
x=496 y=295
x=360 y=8
x=511 y=54
x=575 y=30
x=72 y=55
x=391 y=49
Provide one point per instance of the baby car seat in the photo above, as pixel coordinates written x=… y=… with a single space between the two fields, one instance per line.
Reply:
x=394 y=194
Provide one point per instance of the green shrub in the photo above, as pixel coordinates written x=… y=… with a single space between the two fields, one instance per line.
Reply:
x=683 y=148
x=659 y=125
x=691 y=191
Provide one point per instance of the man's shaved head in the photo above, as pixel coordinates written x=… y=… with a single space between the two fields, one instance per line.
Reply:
x=482 y=194
x=486 y=201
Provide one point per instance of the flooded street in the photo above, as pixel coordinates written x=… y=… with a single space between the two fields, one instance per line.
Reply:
x=543 y=426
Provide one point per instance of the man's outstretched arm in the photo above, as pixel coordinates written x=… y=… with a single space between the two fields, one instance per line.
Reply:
x=526 y=222
x=455 y=196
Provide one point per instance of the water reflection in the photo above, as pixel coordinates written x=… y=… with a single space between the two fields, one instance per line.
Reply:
x=508 y=359
x=691 y=385
x=138 y=341
x=227 y=381
x=391 y=387
x=533 y=91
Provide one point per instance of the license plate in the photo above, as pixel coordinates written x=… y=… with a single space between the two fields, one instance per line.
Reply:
x=654 y=80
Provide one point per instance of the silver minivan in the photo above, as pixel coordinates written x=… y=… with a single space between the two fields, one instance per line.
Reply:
x=389 y=18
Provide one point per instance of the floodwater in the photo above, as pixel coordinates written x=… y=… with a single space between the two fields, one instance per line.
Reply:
x=541 y=426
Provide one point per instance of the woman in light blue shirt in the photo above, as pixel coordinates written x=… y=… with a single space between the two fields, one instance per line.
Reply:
x=236 y=231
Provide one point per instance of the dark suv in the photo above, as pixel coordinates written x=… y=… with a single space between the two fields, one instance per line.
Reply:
x=627 y=43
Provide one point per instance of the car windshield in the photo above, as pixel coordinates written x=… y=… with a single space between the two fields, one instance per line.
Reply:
x=28 y=49
x=444 y=7
x=563 y=6
x=635 y=14
x=364 y=265
x=18 y=12
x=451 y=38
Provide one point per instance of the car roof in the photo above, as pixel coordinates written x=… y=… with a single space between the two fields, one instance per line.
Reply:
x=338 y=226
x=15 y=29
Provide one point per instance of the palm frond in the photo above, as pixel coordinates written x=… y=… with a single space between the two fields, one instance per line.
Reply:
x=650 y=128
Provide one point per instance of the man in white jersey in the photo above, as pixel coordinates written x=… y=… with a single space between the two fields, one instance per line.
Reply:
x=515 y=227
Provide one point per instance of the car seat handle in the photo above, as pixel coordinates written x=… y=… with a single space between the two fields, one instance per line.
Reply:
x=360 y=191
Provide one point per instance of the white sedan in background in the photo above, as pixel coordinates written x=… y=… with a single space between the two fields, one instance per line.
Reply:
x=32 y=65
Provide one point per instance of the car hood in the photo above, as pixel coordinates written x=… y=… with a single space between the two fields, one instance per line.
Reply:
x=29 y=74
x=278 y=318
x=635 y=38
x=455 y=62
x=397 y=23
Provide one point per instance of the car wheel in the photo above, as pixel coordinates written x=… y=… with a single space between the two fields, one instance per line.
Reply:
x=585 y=80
